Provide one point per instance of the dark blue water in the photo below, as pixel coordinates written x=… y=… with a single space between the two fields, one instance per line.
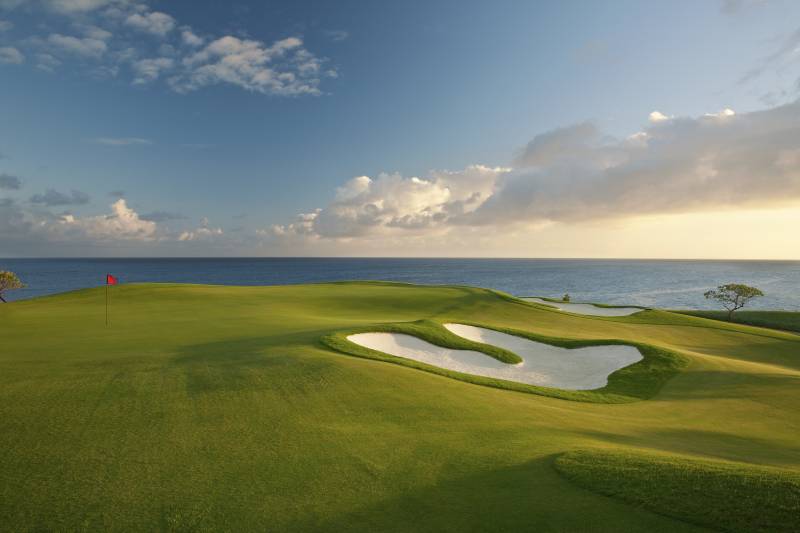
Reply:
x=666 y=284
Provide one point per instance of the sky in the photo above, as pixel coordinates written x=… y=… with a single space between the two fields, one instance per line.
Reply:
x=644 y=129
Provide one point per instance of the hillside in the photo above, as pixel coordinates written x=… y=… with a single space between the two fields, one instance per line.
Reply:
x=211 y=408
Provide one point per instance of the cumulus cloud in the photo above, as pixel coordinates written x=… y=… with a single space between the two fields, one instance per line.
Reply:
x=9 y=182
x=657 y=116
x=189 y=38
x=204 y=233
x=52 y=197
x=122 y=141
x=85 y=47
x=184 y=59
x=11 y=56
x=577 y=174
x=685 y=164
x=391 y=202
x=154 y=22
x=148 y=70
x=284 y=68
x=122 y=223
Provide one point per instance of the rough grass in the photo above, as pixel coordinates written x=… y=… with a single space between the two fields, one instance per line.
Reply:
x=784 y=320
x=720 y=495
x=205 y=408
x=639 y=381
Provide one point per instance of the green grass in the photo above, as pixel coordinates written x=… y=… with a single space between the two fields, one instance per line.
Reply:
x=206 y=408
x=716 y=494
x=785 y=320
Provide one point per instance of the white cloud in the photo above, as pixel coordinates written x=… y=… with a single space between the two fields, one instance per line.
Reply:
x=658 y=116
x=155 y=22
x=122 y=141
x=5 y=25
x=203 y=233
x=392 y=203
x=190 y=38
x=122 y=223
x=96 y=32
x=725 y=113
x=86 y=47
x=284 y=68
x=11 y=56
x=148 y=70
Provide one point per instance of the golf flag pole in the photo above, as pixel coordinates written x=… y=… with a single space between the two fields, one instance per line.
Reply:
x=110 y=280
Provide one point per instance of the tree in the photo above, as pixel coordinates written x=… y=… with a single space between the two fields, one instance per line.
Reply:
x=565 y=298
x=8 y=281
x=733 y=296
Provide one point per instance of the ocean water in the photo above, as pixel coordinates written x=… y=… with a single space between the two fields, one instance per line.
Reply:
x=653 y=283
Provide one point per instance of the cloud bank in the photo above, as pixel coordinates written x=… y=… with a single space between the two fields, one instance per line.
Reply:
x=578 y=174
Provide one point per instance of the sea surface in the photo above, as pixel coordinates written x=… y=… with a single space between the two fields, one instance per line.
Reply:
x=652 y=283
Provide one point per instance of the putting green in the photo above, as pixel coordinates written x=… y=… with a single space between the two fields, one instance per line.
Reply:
x=223 y=409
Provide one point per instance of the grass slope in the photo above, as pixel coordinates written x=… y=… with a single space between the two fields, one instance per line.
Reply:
x=785 y=320
x=219 y=409
x=720 y=495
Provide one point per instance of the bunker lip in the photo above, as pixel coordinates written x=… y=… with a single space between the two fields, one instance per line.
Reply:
x=585 y=309
x=542 y=364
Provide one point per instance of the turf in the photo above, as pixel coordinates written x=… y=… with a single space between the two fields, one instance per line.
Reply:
x=721 y=495
x=785 y=320
x=207 y=408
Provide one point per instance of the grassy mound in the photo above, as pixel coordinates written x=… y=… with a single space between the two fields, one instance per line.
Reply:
x=209 y=408
x=639 y=381
x=784 y=320
x=719 y=495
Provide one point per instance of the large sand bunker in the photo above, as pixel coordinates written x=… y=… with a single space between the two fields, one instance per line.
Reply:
x=586 y=309
x=542 y=364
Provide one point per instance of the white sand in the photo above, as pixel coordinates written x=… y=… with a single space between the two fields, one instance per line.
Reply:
x=542 y=364
x=587 y=309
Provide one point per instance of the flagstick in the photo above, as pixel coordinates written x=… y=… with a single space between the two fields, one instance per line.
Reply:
x=106 y=302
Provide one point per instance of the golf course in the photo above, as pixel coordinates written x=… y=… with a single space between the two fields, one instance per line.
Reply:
x=224 y=408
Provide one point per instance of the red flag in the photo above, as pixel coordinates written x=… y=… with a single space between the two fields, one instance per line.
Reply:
x=111 y=280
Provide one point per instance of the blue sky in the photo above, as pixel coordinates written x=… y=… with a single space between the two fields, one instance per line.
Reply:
x=228 y=128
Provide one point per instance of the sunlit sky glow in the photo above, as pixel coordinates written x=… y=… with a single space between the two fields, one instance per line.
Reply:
x=447 y=128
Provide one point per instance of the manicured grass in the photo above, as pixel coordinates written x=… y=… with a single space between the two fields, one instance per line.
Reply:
x=785 y=320
x=206 y=408
x=716 y=494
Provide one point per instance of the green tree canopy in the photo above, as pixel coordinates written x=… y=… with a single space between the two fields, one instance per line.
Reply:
x=9 y=281
x=733 y=296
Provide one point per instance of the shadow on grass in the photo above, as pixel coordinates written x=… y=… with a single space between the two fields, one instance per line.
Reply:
x=239 y=364
x=528 y=497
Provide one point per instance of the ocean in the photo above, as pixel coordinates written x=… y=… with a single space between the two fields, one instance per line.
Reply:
x=653 y=283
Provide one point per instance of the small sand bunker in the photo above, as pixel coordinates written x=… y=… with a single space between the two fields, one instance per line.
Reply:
x=587 y=309
x=542 y=364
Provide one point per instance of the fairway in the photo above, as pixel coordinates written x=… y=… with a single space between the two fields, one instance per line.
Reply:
x=218 y=408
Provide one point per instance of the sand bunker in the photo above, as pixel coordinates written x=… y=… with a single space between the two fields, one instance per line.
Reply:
x=542 y=364
x=587 y=309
